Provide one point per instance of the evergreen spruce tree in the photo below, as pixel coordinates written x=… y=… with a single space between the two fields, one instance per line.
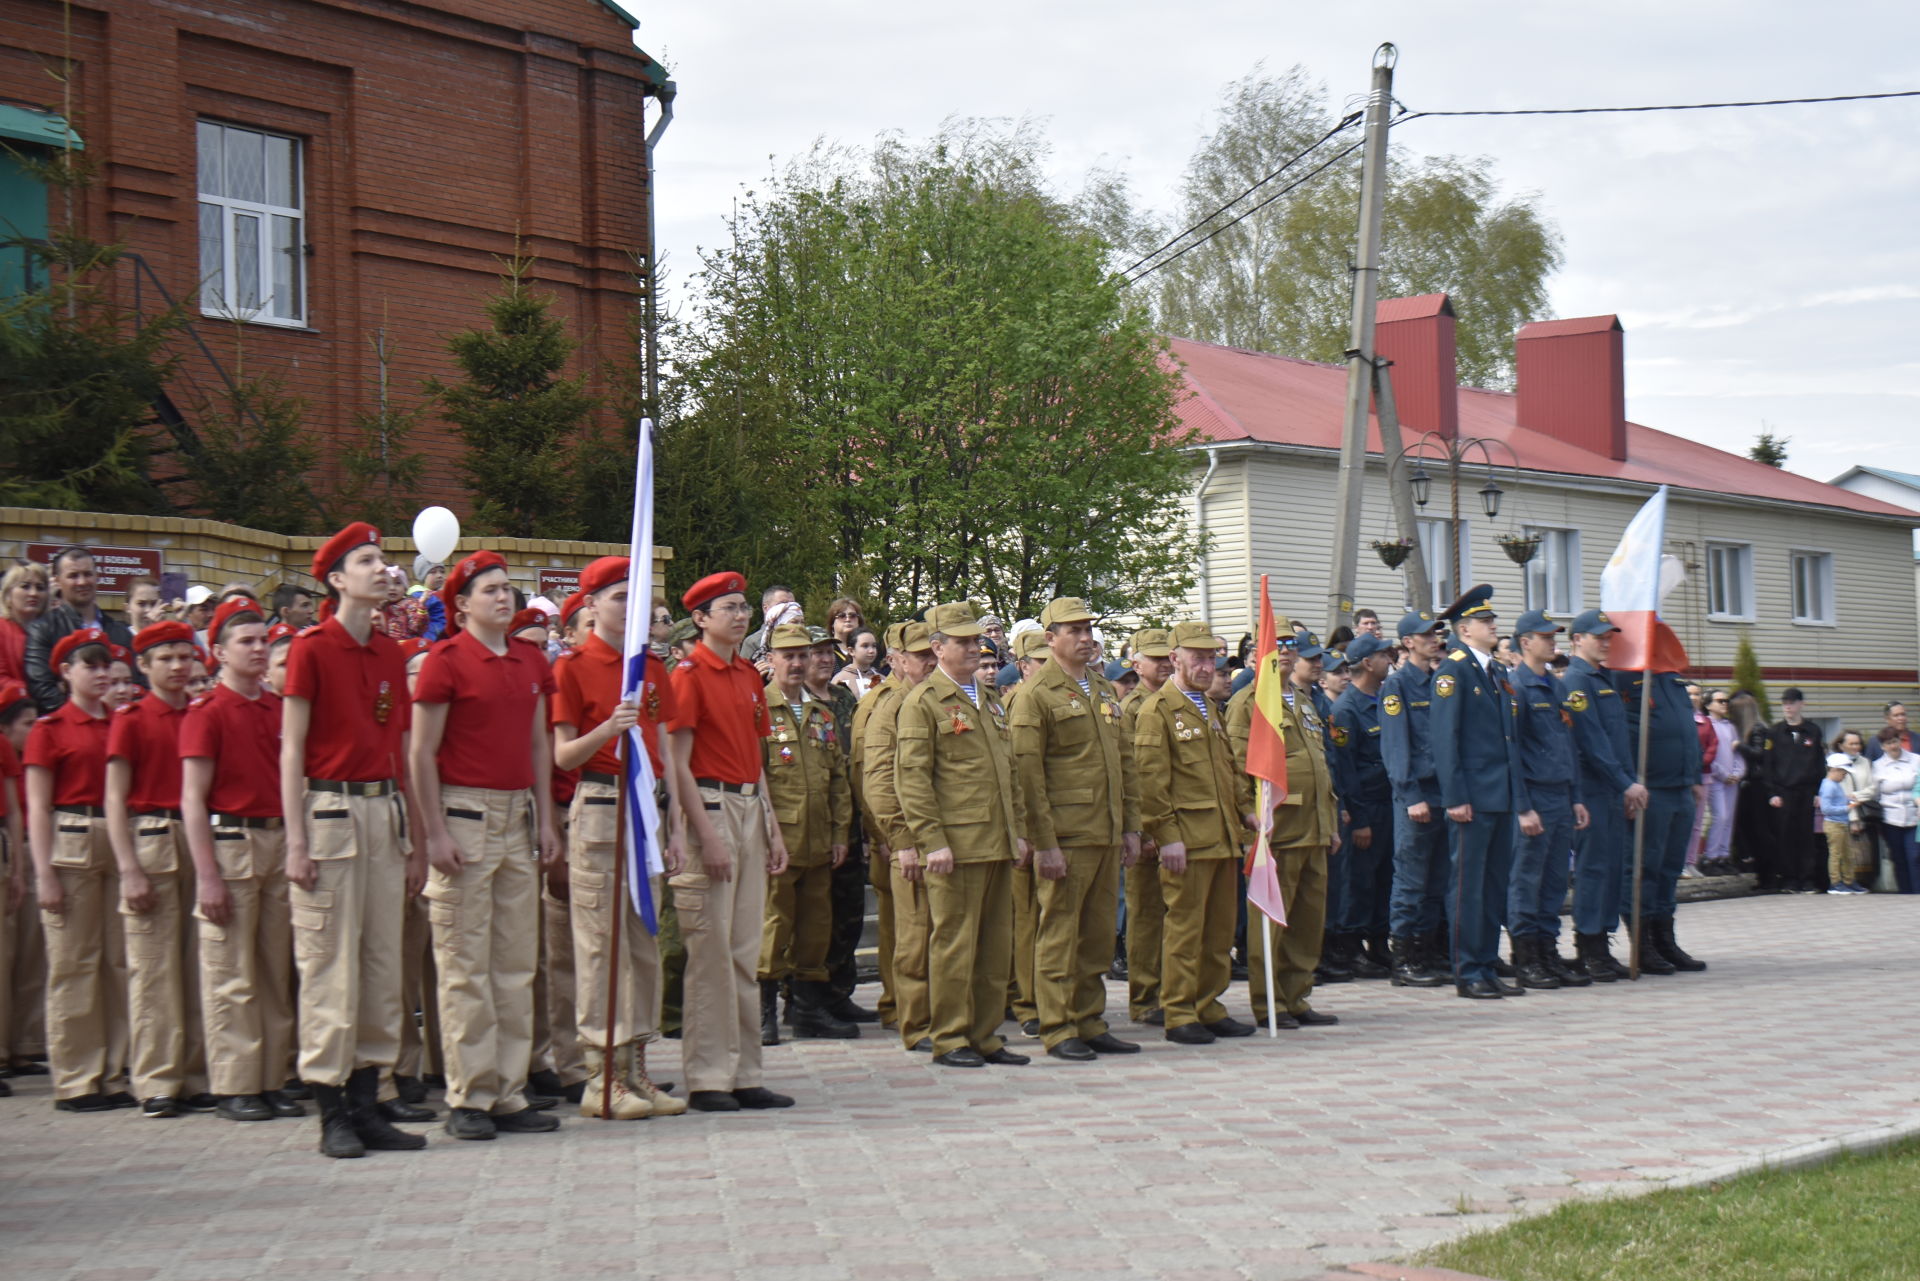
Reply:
x=252 y=463
x=1746 y=676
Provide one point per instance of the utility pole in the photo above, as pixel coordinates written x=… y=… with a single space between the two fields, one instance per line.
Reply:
x=1366 y=286
x=1398 y=491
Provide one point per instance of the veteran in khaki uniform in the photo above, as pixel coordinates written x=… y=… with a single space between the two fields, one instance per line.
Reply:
x=879 y=858
x=1190 y=804
x=1030 y=652
x=905 y=872
x=1146 y=906
x=954 y=778
x=1306 y=832
x=807 y=785
x=1083 y=818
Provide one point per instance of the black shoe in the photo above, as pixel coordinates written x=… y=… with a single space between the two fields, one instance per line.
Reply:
x=758 y=1098
x=1108 y=1043
x=1363 y=963
x=1153 y=1018
x=369 y=1116
x=401 y=1110
x=1670 y=949
x=6 y=1091
x=434 y=1080
x=578 y=1090
x=1478 y=990
x=1508 y=989
x=540 y=1103
x=1237 y=965
x=26 y=1067
x=1230 y=1027
x=83 y=1103
x=121 y=1099
x=1531 y=967
x=160 y=1108
x=922 y=1046
x=965 y=1056
x=1558 y=967
x=1031 y=1027
x=769 y=1011
x=1003 y=1057
x=280 y=1103
x=201 y=1102
x=841 y=1006
x=713 y=1101
x=671 y=1033
x=813 y=1019
x=1190 y=1034
x=246 y=1107
x=545 y=1084
x=337 y=1135
x=1073 y=1050
x=1282 y=1021
x=1407 y=969
x=470 y=1123
x=411 y=1089
x=1590 y=956
x=525 y=1121
x=1651 y=962
x=1314 y=1018
x=1331 y=970
x=1118 y=970
x=1501 y=969
x=295 y=1088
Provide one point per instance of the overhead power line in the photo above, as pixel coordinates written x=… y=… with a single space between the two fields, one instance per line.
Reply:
x=1675 y=106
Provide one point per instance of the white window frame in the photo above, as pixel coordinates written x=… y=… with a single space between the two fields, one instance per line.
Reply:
x=1559 y=551
x=1824 y=559
x=229 y=208
x=1432 y=531
x=1745 y=582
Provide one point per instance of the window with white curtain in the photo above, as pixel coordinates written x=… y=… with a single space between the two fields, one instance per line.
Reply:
x=1812 y=586
x=252 y=246
x=1553 y=575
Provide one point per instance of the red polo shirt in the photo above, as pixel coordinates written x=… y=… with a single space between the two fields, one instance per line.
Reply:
x=358 y=695
x=9 y=768
x=241 y=736
x=146 y=734
x=490 y=702
x=74 y=746
x=725 y=705
x=587 y=685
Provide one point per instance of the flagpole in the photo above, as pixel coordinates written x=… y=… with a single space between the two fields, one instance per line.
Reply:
x=1266 y=922
x=607 y=1068
x=1640 y=822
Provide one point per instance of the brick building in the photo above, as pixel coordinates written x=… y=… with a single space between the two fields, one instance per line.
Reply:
x=324 y=170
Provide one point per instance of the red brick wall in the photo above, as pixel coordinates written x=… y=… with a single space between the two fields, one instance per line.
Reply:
x=434 y=134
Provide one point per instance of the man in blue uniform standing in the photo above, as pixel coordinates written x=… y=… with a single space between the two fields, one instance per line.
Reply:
x=1550 y=766
x=1478 y=763
x=1360 y=778
x=1672 y=771
x=1417 y=913
x=1613 y=795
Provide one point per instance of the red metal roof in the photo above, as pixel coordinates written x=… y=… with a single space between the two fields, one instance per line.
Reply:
x=1417 y=307
x=1250 y=395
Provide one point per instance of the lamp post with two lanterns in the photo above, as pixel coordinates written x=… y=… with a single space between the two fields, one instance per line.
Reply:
x=1454 y=451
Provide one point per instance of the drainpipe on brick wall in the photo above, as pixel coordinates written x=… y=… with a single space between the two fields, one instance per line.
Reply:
x=1199 y=527
x=650 y=320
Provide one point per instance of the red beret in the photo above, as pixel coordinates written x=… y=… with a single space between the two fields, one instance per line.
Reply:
x=121 y=654
x=335 y=549
x=571 y=606
x=469 y=568
x=64 y=647
x=528 y=617
x=712 y=588
x=167 y=632
x=603 y=573
x=234 y=607
x=11 y=692
x=414 y=645
x=279 y=632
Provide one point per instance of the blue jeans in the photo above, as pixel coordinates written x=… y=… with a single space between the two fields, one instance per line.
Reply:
x=1477 y=891
x=1419 y=904
x=1669 y=820
x=1541 y=866
x=1904 y=856
x=1366 y=875
x=1598 y=853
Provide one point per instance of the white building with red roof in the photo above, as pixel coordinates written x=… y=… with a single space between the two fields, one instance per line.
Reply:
x=1815 y=576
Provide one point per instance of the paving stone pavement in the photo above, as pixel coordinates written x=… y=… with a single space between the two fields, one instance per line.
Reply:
x=1419 y=1118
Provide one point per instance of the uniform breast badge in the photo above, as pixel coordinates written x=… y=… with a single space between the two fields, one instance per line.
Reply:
x=1577 y=701
x=383 y=703
x=786 y=755
x=960 y=722
x=1443 y=686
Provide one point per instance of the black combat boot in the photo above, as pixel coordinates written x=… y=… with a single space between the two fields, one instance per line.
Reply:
x=337 y=1137
x=1651 y=961
x=1333 y=967
x=1591 y=958
x=1408 y=971
x=1557 y=966
x=370 y=1123
x=769 y=1011
x=1530 y=968
x=1362 y=962
x=1661 y=931
x=813 y=1020
x=1436 y=957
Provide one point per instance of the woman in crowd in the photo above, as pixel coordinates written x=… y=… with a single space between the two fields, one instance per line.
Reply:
x=23 y=598
x=1860 y=788
x=1894 y=776
x=862 y=671
x=1723 y=774
x=1752 y=817
x=844 y=620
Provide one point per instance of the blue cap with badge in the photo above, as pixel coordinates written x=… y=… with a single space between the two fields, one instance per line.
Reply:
x=1417 y=621
x=1475 y=602
x=1365 y=646
x=1535 y=620
x=1241 y=679
x=1310 y=646
x=1593 y=623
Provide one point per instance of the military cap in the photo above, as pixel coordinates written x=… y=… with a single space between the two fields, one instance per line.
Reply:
x=1414 y=622
x=238 y=608
x=604 y=573
x=1151 y=641
x=64 y=647
x=167 y=632
x=1593 y=622
x=1241 y=679
x=1365 y=646
x=988 y=649
x=1336 y=659
x=1065 y=609
x=461 y=576
x=1031 y=645
x=11 y=693
x=1535 y=620
x=528 y=617
x=683 y=631
x=790 y=636
x=955 y=620
x=819 y=635
x=916 y=638
x=1475 y=602
x=335 y=549
x=1310 y=646
x=1193 y=635
x=571 y=606
x=894 y=633
x=712 y=588
x=1116 y=669
x=280 y=632
x=1007 y=677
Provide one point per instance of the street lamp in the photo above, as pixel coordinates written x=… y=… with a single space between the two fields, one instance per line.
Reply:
x=1454 y=451
x=1490 y=495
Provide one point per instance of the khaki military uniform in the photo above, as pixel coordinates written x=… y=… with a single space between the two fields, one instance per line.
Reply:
x=806 y=765
x=1304 y=828
x=954 y=779
x=168 y=1053
x=911 y=924
x=879 y=855
x=1075 y=768
x=246 y=965
x=86 y=1010
x=1189 y=795
x=1146 y=905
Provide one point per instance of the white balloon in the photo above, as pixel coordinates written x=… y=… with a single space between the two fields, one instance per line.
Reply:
x=436 y=532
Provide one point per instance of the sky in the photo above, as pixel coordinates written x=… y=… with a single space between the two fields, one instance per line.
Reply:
x=1764 y=262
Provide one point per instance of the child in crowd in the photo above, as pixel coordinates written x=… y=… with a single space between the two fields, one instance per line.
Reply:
x=1838 y=822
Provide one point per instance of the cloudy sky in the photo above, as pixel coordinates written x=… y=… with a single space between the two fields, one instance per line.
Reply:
x=1764 y=261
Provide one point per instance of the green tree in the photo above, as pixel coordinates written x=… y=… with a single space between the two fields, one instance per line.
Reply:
x=1746 y=676
x=914 y=370
x=1770 y=449
x=380 y=475
x=251 y=463
x=518 y=413
x=1279 y=280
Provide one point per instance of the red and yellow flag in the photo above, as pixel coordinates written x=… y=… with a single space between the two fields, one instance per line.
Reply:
x=1267 y=762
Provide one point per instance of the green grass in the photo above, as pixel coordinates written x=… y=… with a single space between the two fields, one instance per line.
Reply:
x=1856 y=1218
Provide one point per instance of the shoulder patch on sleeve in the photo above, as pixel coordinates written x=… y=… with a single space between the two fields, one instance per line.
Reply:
x=1390 y=704
x=1443 y=686
x=1339 y=735
x=1577 y=701
x=1458 y=655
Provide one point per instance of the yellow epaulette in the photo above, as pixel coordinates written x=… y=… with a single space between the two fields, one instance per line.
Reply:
x=1458 y=655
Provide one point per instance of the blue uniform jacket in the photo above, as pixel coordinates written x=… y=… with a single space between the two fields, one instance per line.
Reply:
x=1673 y=743
x=1599 y=728
x=1359 y=775
x=1406 y=735
x=1476 y=736
x=1547 y=751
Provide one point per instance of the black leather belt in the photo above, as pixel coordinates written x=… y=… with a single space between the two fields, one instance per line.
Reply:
x=172 y=814
x=738 y=789
x=605 y=780
x=84 y=811
x=242 y=820
x=379 y=787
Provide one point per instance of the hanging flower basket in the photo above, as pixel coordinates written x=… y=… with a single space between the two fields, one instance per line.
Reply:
x=1393 y=552
x=1520 y=548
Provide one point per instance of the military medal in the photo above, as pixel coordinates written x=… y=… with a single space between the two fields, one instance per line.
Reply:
x=960 y=722
x=786 y=755
x=383 y=703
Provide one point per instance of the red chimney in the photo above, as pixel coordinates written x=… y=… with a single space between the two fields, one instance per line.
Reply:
x=1416 y=334
x=1572 y=383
